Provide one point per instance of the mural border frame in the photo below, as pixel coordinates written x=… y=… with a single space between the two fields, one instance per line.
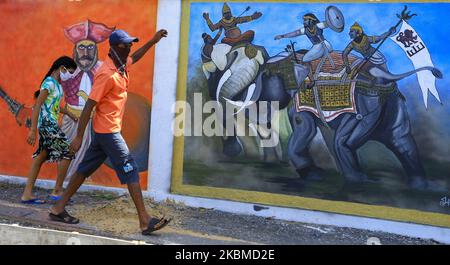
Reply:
x=271 y=199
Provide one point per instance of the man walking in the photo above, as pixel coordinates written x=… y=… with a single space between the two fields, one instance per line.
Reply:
x=108 y=96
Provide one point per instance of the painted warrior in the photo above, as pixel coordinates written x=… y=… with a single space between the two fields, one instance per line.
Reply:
x=361 y=43
x=85 y=36
x=313 y=29
x=208 y=43
x=229 y=23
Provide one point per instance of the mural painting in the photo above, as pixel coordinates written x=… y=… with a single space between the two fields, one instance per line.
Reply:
x=80 y=29
x=350 y=100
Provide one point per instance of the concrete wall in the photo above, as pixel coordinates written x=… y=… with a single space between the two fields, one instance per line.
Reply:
x=161 y=151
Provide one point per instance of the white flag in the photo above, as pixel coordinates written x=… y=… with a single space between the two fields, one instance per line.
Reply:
x=417 y=52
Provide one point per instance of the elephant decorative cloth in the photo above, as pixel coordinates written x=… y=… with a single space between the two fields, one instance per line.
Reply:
x=336 y=90
x=335 y=97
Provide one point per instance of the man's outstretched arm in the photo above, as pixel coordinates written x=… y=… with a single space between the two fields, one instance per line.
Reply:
x=291 y=34
x=376 y=39
x=256 y=15
x=137 y=55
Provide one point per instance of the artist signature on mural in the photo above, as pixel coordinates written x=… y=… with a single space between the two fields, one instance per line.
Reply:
x=445 y=202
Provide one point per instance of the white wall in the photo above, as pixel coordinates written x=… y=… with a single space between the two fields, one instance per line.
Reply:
x=161 y=139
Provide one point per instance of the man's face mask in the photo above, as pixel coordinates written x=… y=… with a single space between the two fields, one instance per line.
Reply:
x=121 y=52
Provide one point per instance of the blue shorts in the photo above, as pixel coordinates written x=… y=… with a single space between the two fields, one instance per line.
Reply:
x=112 y=146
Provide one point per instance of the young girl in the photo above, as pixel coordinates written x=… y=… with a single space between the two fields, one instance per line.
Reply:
x=53 y=144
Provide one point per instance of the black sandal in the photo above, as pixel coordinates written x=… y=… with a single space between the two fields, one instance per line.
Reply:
x=64 y=217
x=155 y=224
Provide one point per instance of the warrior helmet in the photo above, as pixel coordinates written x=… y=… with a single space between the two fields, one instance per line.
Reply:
x=225 y=9
x=356 y=27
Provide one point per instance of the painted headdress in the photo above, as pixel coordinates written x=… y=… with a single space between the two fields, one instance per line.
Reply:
x=88 y=30
x=357 y=28
x=225 y=9
x=312 y=17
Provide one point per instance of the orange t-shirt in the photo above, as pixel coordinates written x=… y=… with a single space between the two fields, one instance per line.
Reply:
x=110 y=92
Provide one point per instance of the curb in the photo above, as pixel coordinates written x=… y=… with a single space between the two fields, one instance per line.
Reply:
x=19 y=235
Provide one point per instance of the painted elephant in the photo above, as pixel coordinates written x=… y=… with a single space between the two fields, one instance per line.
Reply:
x=380 y=114
x=236 y=79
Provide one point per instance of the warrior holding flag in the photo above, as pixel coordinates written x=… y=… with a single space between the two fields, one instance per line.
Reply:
x=362 y=44
x=410 y=43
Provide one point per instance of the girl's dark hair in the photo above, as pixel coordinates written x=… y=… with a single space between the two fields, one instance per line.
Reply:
x=36 y=93
x=65 y=61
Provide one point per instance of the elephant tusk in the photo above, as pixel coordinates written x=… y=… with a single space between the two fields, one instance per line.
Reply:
x=205 y=72
x=247 y=102
x=259 y=57
x=219 y=55
x=222 y=81
x=208 y=68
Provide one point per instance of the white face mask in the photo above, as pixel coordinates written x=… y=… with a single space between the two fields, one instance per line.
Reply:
x=65 y=75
